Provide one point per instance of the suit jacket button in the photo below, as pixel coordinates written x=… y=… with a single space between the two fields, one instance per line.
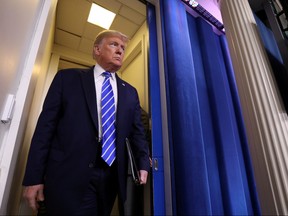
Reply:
x=91 y=165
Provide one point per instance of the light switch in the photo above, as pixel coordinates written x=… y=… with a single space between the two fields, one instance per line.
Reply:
x=8 y=109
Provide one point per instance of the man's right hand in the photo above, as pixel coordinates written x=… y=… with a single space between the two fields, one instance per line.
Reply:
x=34 y=194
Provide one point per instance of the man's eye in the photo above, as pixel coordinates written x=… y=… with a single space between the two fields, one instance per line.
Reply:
x=115 y=45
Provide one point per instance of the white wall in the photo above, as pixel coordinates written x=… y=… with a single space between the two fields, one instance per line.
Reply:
x=17 y=22
x=22 y=23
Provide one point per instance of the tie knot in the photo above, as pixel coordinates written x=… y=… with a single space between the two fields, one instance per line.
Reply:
x=106 y=74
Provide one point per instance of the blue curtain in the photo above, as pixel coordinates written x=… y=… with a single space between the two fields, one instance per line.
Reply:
x=210 y=162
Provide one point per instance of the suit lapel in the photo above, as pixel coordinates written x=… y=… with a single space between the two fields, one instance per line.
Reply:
x=90 y=94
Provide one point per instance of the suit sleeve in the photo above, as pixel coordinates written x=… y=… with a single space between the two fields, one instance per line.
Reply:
x=43 y=135
x=139 y=142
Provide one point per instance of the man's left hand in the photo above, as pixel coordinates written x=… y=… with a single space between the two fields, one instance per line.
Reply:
x=143 y=176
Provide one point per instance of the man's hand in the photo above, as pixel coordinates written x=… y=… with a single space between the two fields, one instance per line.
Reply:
x=143 y=176
x=33 y=194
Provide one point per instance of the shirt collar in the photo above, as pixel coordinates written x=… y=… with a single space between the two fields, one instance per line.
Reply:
x=98 y=70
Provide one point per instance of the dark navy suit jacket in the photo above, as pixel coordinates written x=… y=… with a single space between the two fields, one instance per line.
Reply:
x=64 y=144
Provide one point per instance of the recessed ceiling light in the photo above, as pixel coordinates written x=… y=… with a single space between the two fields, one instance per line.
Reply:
x=100 y=16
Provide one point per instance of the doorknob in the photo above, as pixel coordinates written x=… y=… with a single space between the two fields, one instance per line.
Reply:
x=155 y=164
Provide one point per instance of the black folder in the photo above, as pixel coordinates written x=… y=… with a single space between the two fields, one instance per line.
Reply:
x=132 y=164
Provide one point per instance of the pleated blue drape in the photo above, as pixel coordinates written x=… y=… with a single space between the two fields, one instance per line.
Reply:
x=210 y=162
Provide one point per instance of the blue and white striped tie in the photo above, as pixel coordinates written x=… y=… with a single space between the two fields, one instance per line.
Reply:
x=108 y=121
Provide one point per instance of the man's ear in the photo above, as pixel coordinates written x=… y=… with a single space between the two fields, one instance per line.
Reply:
x=96 y=49
x=96 y=52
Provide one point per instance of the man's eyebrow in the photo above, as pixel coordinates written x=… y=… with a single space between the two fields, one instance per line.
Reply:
x=115 y=42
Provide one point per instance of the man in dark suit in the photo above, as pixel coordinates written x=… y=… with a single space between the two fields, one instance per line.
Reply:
x=65 y=168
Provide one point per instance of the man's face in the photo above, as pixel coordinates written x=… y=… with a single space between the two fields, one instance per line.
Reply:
x=109 y=53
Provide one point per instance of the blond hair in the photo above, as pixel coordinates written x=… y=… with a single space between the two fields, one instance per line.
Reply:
x=110 y=33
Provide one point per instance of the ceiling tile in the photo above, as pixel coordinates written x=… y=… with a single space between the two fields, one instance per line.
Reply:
x=111 y=5
x=72 y=15
x=91 y=31
x=125 y=26
x=132 y=15
x=135 y=5
x=66 y=39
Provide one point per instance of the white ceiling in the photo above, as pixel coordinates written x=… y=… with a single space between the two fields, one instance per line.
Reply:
x=74 y=32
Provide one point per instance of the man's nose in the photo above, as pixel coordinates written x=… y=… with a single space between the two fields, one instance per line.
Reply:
x=119 y=51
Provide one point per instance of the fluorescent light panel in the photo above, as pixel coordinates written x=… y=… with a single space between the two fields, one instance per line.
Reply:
x=100 y=16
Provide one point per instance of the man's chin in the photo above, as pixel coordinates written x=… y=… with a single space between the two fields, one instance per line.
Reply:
x=116 y=67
